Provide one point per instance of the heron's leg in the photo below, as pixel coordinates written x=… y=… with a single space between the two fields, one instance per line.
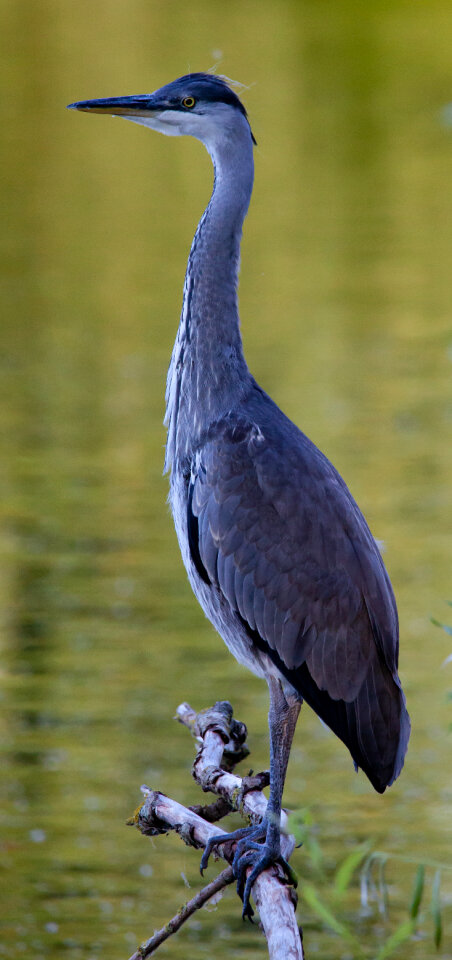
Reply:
x=260 y=846
x=282 y=718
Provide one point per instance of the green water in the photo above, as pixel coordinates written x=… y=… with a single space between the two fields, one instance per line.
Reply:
x=346 y=308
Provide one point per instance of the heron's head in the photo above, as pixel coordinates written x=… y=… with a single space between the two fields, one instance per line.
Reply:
x=199 y=104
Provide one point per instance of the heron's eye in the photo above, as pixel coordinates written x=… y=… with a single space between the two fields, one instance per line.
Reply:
x=188 y=102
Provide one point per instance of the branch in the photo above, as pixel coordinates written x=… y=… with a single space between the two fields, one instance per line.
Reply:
x=222 y=744
x=198 y=901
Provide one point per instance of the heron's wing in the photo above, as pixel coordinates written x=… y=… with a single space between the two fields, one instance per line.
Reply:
x=274 y=527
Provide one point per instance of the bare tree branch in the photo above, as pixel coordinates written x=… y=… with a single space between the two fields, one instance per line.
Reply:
x=219 y=736
x=189 y=908
x=221 y=744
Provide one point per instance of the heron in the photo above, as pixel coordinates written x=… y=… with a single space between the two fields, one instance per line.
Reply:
x=277 y=552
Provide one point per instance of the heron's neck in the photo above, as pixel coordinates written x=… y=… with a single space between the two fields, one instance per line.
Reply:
x=208 y=373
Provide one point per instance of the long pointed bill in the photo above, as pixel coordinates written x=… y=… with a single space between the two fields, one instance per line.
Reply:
x=142 y=106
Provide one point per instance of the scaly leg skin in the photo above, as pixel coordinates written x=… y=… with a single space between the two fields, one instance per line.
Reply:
x=260 y=846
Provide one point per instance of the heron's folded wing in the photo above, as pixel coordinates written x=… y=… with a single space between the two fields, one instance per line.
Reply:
x=279 y=533
x=272 y=525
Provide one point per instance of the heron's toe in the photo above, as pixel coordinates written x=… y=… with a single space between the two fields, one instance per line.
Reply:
x=258 y=856
x=261 y=862
x=210 y=846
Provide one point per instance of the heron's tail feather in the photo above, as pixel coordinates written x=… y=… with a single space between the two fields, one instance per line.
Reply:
x=375 y=726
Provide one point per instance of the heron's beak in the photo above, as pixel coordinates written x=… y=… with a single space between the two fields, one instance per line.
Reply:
x=146 y=105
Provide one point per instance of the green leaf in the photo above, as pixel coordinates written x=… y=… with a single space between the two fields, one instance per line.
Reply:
x=403 y=933
x=418 y=890
x=347 y=868
x=444 y=626
x=315 y=852
x=300 y=825
x=436 y=909
x=311 y=897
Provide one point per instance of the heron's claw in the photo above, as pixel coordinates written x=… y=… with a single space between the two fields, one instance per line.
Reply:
x=257 y=847
x=218 y=840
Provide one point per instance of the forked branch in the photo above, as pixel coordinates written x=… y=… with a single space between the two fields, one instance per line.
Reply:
x=221 y=745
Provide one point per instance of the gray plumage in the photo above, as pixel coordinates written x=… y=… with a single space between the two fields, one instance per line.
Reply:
x=276 y=549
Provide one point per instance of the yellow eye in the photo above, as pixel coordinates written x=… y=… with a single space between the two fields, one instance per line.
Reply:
x=188 y=102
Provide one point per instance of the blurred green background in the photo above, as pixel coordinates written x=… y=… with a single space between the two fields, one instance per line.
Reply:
x=346 y=306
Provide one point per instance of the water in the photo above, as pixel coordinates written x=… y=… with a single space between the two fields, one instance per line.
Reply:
x=346 y=303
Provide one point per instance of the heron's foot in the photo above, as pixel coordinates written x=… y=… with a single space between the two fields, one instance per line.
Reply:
x=214 y=842
x=259 y=850
x=257 y=847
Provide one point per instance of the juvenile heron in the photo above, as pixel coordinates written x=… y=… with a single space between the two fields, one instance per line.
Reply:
x=277 y=551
